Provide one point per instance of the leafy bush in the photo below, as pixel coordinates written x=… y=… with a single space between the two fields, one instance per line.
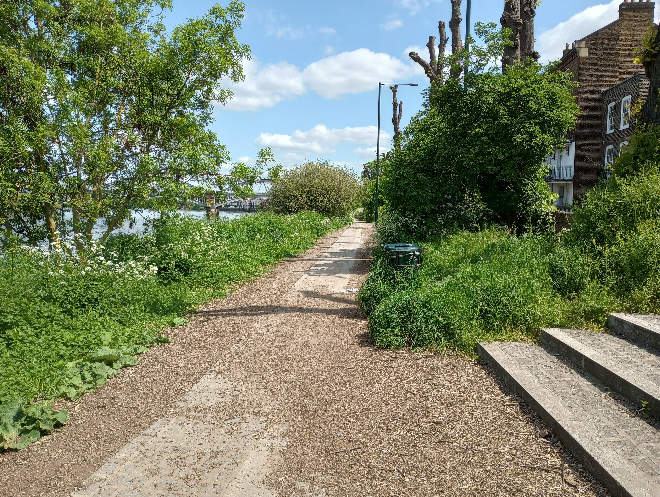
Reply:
x=70 y=322
x=315 y=186
x=477 y=152
x=616 y=231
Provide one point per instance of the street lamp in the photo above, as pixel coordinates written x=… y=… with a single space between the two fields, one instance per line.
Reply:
x=380 y=86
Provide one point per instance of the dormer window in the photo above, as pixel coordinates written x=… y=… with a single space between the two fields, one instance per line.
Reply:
x=610 y=117
x=625 y=112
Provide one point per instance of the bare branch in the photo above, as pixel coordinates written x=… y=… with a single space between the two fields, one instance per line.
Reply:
x=430 y=73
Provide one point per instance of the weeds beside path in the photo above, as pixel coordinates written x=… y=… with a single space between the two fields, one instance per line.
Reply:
x=348 y=419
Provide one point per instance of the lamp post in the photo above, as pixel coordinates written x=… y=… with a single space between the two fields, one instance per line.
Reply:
x=380 y=86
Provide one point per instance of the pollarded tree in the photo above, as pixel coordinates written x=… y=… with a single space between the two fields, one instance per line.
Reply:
x=519 y=17
x=103 y=111
x=435 y=68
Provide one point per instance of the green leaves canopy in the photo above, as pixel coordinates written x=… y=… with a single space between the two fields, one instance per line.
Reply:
x=102 y=111
x=477 y=152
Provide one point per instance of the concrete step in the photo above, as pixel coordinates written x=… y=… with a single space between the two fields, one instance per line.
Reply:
x=641 y=328
x=620 y=450
x=626 y=368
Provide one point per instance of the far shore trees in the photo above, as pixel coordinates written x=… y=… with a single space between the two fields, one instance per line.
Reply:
x=102 y=110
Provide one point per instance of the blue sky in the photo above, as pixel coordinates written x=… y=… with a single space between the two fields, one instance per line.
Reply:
x=311 y=85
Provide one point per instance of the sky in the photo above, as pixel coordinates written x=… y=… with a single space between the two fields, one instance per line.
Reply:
x=311 y=85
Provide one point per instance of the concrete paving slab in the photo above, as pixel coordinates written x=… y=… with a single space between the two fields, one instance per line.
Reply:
x=626 y=368
x=641 y=328
x=622 y=451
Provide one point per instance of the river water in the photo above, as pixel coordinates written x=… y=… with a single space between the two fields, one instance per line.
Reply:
x=140 y=221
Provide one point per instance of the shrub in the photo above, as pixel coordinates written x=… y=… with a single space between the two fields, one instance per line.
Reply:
x=472 y=286
x=315 y=186
x=616 y=231
x=477 y=151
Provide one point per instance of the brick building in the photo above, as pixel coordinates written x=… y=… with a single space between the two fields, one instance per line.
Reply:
x=618 y=123
x=603 y=65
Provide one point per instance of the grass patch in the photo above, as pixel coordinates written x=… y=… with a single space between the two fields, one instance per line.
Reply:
x=478 y=286
x=68 y=323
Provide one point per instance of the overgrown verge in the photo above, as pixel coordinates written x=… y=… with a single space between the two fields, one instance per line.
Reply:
x=495 y=285
x=70 y=322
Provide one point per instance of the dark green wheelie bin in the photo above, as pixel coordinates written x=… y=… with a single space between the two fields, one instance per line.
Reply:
x=404 y=255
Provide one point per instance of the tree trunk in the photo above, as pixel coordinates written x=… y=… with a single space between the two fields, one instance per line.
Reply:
x=456 y=41
x=511 y=19
x=442 y=47
x=53 y=233
x=527 y=14
x=651 y=108
x=397 y=112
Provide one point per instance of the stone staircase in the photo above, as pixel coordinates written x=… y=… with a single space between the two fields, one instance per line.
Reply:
x=594 y=391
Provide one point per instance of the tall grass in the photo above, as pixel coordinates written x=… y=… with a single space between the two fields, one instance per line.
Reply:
x=481 y=286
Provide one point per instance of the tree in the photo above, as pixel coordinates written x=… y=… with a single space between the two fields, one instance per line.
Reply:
x=649 y=55
x=518 y=17
x=103 y=111
x=435 y=69
x=397 y=113
x=476 y=153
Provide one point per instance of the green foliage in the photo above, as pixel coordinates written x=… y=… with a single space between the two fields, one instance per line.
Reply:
x=641 y=155
x=477 y=152
x=70 y=322
x=494 y=285
x=22 y=424
x=483 y=286
x=315 y=186
x=369 y=200
x=617 y=231
x=102 y=110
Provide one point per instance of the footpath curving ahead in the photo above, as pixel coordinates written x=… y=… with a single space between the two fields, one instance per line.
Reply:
x=588 y=388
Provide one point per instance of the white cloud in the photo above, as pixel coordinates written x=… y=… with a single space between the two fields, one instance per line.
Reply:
x=391 y=24
x=286 y=33
x=369 y=153
x=355 y=72
x=266 y=85
x=327 y=31
x=245 y=159
x=552 y=42
x=329 y=50
x=414 y=6
x=321 y=140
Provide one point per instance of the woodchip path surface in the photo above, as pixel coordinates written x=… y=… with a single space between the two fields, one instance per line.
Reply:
x=275 y=390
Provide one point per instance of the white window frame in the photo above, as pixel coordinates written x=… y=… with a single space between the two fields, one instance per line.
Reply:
x=622 y=145
x=609 y=150
x=625 y=112
x=610 y=117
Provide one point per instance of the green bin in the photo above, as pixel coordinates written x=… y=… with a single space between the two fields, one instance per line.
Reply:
x=403 y=255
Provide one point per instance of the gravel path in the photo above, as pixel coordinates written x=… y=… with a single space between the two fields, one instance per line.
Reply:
x=276 y=390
